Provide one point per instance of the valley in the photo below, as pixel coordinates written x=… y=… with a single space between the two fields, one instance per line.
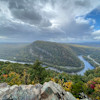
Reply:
x=86 y=66
x=49 y=49
x=73 y=67
x=56 y=56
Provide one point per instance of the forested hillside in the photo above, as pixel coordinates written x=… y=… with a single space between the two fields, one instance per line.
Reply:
x=94 y=52
x=49 y=53
x=96 y=56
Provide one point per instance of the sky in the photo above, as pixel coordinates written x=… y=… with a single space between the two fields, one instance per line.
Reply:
x=50 y=20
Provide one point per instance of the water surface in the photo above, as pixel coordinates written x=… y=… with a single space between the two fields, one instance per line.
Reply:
x=87 y=66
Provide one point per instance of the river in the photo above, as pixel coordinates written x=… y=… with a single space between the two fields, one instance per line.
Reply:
x=14 y=61
x=51 y=68
x=87 y=65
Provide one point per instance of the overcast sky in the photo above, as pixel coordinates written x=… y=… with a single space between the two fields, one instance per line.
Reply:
x=49 y=20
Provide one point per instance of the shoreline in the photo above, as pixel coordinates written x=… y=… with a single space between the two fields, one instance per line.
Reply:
x=60 y=69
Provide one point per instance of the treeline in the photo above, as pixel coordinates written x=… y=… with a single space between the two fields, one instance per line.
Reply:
x=14 y=73
x=67 y=69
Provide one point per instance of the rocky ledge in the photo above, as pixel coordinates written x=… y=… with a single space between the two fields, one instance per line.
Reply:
x=47 y=91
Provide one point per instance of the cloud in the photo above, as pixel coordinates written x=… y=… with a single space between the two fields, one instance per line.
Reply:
x=97 y=32
x=97 y=38
x=54 y=20
x=28 y=12
x=3 y=37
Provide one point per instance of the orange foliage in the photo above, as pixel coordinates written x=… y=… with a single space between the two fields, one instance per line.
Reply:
x=5 y=75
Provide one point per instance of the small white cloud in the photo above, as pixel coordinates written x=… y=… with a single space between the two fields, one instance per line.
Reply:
x=92 y=27
x=3 y=37
x=97 y=32
x=81 y=20
x=93 y=21
x=97 y=38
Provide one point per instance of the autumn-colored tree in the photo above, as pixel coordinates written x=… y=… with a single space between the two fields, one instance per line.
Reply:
x=13 y=78
x=67 y=86
x=25 y=78
x=94 y=88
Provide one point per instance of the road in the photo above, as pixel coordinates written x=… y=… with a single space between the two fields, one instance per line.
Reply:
x=93 y=60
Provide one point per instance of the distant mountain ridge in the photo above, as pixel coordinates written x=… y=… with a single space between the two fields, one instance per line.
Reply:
x=90 y=44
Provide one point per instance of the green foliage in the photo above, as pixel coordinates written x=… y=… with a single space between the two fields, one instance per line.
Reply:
x=37 y=72
x=78 y=88
x=94 y=88
x=13 y=78
x=12 y=73
x=25 y=77
x=79 y=83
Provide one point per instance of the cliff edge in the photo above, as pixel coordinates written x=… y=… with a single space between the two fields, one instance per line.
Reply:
x=47 y=91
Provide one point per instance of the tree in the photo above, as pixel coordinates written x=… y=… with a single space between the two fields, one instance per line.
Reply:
x=38 y=73
x=78 y=88
x=26 y=77
x=13 y=78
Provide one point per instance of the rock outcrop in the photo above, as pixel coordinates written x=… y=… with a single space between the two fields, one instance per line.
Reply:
x=47 y=91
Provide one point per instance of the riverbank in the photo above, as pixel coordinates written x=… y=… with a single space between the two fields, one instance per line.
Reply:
x=87 y=66
x=91 y=61
x=67 y=69
x=61 y=69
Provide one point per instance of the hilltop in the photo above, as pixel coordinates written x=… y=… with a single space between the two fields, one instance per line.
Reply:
x=50 y=53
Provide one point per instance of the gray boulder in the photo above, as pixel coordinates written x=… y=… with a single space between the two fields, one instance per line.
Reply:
x=53 y=91
x=47 y=91
x=22 y=92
